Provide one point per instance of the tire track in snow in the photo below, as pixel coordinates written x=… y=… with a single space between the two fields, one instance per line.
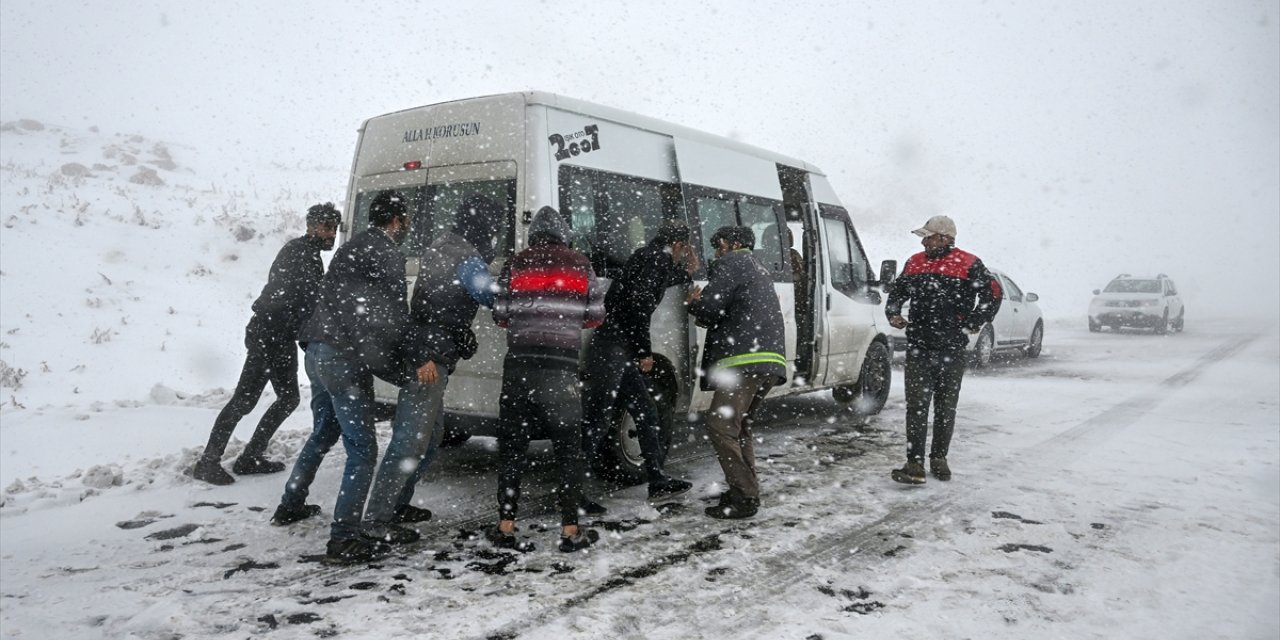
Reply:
x=776 y=573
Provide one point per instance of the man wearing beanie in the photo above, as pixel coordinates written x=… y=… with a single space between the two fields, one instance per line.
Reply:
x=951 y=292
x=272 y=355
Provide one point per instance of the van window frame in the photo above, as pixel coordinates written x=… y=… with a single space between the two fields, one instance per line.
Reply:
x=780 y=271
x=672 y=208
x=841 y=215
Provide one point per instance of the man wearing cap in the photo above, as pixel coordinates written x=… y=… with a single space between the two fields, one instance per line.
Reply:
x=950 y=292
x=272 y=355
x=620 y=353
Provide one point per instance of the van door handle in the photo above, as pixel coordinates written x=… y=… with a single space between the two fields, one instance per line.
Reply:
x=828 y=302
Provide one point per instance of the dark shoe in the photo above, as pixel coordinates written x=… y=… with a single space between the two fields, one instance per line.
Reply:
x=583 y=539
x=409 y=514
x=391 y=534
x=255 y=465
x=211 y=471
x=910 y=473
x=668 y=488
x=733 y=509
x=501 y=540
x=938 y=467
x=354 y=550
x=289 y=515
x=592 y=508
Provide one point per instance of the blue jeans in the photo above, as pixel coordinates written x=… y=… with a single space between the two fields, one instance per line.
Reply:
x=342 y=405
x=416 y=432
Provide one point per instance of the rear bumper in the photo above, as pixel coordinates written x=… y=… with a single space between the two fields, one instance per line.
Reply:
x=1129 y=318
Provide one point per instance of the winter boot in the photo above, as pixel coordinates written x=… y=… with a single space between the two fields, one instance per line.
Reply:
x=733 y=507
x=592 y=508
x=390 y=534
x=289 y=515
x=409 y=514
x=354 y=550
x=583 y=539
x=210 y=470
x=245 y=466
x=938 y=467
x=667 y=488
x=910 y=473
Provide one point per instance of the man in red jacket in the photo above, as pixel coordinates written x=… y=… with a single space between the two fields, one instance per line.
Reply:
x=951 y=292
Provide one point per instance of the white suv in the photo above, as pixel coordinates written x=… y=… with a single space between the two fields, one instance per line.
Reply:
x=1130 y=301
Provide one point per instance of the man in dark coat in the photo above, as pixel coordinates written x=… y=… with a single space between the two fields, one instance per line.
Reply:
x=453 y=283
x=547 y=295
x=270 y=340
x=352 y=336
x=620 y=352
x=951 y=292
x=743 y=358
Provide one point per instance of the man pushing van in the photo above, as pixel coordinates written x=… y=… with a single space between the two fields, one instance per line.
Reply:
x=270 y=340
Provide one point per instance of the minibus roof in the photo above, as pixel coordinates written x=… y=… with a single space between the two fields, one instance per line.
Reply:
x=630 y=119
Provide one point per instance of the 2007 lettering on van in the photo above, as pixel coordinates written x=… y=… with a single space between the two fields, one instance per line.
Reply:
x=572 y=144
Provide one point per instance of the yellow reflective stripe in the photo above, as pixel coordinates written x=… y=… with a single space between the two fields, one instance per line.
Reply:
x=760 y=357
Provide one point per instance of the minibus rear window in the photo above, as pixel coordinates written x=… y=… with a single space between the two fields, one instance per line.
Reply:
x=434 y=210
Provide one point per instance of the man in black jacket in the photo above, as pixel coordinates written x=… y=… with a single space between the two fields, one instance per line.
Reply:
x=353 y=335
x=743 y=358
x=272 y=353
x=951 y=292
x=453 y=283
x=620 y=353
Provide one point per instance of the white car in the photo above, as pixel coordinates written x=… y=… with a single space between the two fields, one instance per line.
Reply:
x=1018 y=326
x=1130 y=301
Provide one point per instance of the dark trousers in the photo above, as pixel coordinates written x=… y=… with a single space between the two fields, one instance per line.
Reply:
x=729 y=427
x=269 y=359
x=614 y=379
x=932 y=376
x=550 y=398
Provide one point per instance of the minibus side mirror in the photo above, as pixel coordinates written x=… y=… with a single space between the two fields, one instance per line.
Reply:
x=888 y=270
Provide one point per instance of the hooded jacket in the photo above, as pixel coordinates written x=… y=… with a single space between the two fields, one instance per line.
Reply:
x=745 y=330
x=948 y=294
x=547 y=295
x=442 y=306
x=361 y=309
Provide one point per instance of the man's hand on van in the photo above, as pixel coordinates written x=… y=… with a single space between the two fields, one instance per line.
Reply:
x=682 y=252
x=646 y=364
x=694 y=295
x=427 y=373
x=898 y=322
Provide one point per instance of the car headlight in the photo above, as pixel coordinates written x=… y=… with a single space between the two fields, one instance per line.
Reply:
x=1149 y=303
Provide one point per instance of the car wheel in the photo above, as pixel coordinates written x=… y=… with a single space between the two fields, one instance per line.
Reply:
x=1163 y=327
x=622 y=460
x=1180 y=322
x=1094 y=327
x=984 y=349
x=1036 y=341
x=872 y=389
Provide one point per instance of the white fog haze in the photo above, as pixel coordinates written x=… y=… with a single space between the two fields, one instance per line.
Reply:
x=1120 y=483
x=1070 y=142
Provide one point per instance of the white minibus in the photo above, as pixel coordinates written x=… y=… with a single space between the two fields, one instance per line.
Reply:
x=616 y=176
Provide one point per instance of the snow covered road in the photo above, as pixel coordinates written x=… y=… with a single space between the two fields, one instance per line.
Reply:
x=1123 y=485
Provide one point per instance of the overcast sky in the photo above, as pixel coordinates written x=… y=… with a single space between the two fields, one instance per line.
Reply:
x=1070 y=141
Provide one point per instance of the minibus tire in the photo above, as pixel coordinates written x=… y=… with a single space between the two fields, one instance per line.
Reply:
x=622 y=462
x=872 y=389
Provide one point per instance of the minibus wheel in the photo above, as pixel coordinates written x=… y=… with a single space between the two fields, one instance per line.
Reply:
x=622 y=461
x=872 y=390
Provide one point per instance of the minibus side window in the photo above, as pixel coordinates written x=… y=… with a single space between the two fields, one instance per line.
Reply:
x=763 y=220
x=713 y=213
x=611 y=215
